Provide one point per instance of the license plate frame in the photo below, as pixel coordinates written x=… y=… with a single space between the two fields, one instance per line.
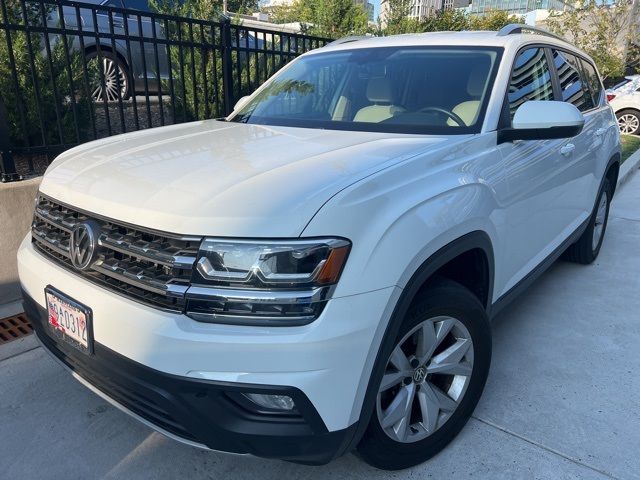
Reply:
x=59 y=302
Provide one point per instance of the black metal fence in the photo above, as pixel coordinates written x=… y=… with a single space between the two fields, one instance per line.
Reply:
x=72 y=72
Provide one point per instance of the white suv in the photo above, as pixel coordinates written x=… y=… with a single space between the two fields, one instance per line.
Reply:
x=316 y=273
x=625 y=101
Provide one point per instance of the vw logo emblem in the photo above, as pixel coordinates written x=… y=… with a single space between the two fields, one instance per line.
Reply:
x=83 y=244
x=419 y=374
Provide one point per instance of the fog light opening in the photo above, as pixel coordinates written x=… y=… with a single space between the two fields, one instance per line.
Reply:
x=283 y=403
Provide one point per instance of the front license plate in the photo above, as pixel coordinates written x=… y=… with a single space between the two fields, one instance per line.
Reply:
x=69 y=320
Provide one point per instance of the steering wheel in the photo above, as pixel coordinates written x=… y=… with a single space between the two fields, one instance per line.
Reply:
x=449 y=114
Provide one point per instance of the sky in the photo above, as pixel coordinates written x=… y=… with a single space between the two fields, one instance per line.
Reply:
x=376 y=8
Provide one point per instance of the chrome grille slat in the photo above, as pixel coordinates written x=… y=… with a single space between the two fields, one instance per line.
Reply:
x=150 y=252
x=53 y=240
x=137 y=277
x=147 y=266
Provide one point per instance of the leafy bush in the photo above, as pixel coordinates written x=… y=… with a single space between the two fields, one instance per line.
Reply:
x=42 y=96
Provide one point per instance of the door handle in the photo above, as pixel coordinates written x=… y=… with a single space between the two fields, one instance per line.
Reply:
x=567 y=149
x=600 y=132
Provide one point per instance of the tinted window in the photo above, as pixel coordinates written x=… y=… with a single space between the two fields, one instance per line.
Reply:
x=621 y=84
x=530 y=80
x=137 y=4
x=592 y=79
x=572 y=84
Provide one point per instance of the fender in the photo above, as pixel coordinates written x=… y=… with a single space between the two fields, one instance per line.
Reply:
x=470 y=241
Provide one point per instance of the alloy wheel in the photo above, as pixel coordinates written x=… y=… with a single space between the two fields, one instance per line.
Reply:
x=598 y=226
x=425 y=379
x=628 y=123
x=113 y=73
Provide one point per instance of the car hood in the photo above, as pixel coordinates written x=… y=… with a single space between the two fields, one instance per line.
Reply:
x=222 y=179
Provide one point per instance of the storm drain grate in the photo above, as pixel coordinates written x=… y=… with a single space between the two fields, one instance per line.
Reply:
x=15 y=327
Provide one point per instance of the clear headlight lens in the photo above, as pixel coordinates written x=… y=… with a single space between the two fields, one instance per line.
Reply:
x=254 y=282
x=272 y=264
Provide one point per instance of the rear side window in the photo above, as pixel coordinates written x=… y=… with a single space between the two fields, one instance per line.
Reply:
x=530 y=79
x=573 y=85
x=593 y=80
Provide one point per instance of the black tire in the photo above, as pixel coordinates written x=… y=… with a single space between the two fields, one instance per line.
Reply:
x=583 y=251
x=109 y=61
x=444 y=298
x=634 y=125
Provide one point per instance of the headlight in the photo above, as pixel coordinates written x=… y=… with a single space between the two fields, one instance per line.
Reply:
x=255 y=282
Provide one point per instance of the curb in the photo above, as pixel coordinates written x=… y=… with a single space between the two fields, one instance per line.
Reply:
x=629 y=167
x=10 y=309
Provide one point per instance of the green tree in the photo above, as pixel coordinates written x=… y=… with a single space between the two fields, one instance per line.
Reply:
x=398 y=20
x=46 y=102
x=325 y=18
x=493 y=20
x=444 y=21
x=603 y=31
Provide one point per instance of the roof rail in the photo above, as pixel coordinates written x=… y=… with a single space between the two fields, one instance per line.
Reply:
x=352 y=38
x=521 y=28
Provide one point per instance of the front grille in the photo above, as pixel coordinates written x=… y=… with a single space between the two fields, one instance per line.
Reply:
x=148 y=266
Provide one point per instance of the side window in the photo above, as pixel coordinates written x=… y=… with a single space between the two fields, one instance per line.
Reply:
x=593 y=80
x=137 y=5
x=530 y=79
x=573 y=85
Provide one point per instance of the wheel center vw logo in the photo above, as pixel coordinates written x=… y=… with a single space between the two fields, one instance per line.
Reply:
x=419 y=374
x=83 y=244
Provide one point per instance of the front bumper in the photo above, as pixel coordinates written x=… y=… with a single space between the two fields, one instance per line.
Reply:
x=201 y=412
x=180 y=375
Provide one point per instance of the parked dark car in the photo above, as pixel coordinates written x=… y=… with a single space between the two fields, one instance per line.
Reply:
x=124 y=67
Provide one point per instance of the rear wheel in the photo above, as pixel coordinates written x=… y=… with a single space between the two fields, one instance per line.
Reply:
x=587 y=248
x=432 y=380
x=629 y=121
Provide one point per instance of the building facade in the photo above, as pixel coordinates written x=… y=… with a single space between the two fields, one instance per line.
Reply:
x=516 y=6
x=421 y=9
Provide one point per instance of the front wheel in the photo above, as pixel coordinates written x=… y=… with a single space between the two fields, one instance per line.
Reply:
x=109 y=77
x=629 y=121
x=432 y=380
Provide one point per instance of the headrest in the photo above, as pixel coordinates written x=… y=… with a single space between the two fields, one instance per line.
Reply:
x=477 y=81
x=379 y=90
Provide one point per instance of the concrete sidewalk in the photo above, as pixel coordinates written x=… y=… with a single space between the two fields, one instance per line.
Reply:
x=562 y=400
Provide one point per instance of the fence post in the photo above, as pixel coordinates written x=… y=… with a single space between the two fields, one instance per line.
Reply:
x=7 y=166
x=227 y=67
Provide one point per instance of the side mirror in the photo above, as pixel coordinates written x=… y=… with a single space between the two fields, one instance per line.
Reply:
x=241 y=102
x=543 y=120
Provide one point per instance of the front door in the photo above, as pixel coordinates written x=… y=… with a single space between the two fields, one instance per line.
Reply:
x=546 y=177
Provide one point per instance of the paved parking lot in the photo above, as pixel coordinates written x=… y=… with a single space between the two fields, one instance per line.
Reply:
x=562 y=400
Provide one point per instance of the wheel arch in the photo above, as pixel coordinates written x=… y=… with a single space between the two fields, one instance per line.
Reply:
x=627 y=108
x=473 y=245
x=611 y=172
x=93 y=48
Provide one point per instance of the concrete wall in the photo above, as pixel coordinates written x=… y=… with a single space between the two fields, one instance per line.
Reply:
x=16 y=212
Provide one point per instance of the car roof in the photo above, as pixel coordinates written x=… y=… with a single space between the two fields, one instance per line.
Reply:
x=465 y=38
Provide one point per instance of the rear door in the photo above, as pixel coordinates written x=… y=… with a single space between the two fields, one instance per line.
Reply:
x=587 y=160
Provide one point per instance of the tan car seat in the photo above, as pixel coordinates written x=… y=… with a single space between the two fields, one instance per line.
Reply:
x=378 y=93
x=468 y=111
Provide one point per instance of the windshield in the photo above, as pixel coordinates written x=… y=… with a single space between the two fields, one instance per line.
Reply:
x=439 y=90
